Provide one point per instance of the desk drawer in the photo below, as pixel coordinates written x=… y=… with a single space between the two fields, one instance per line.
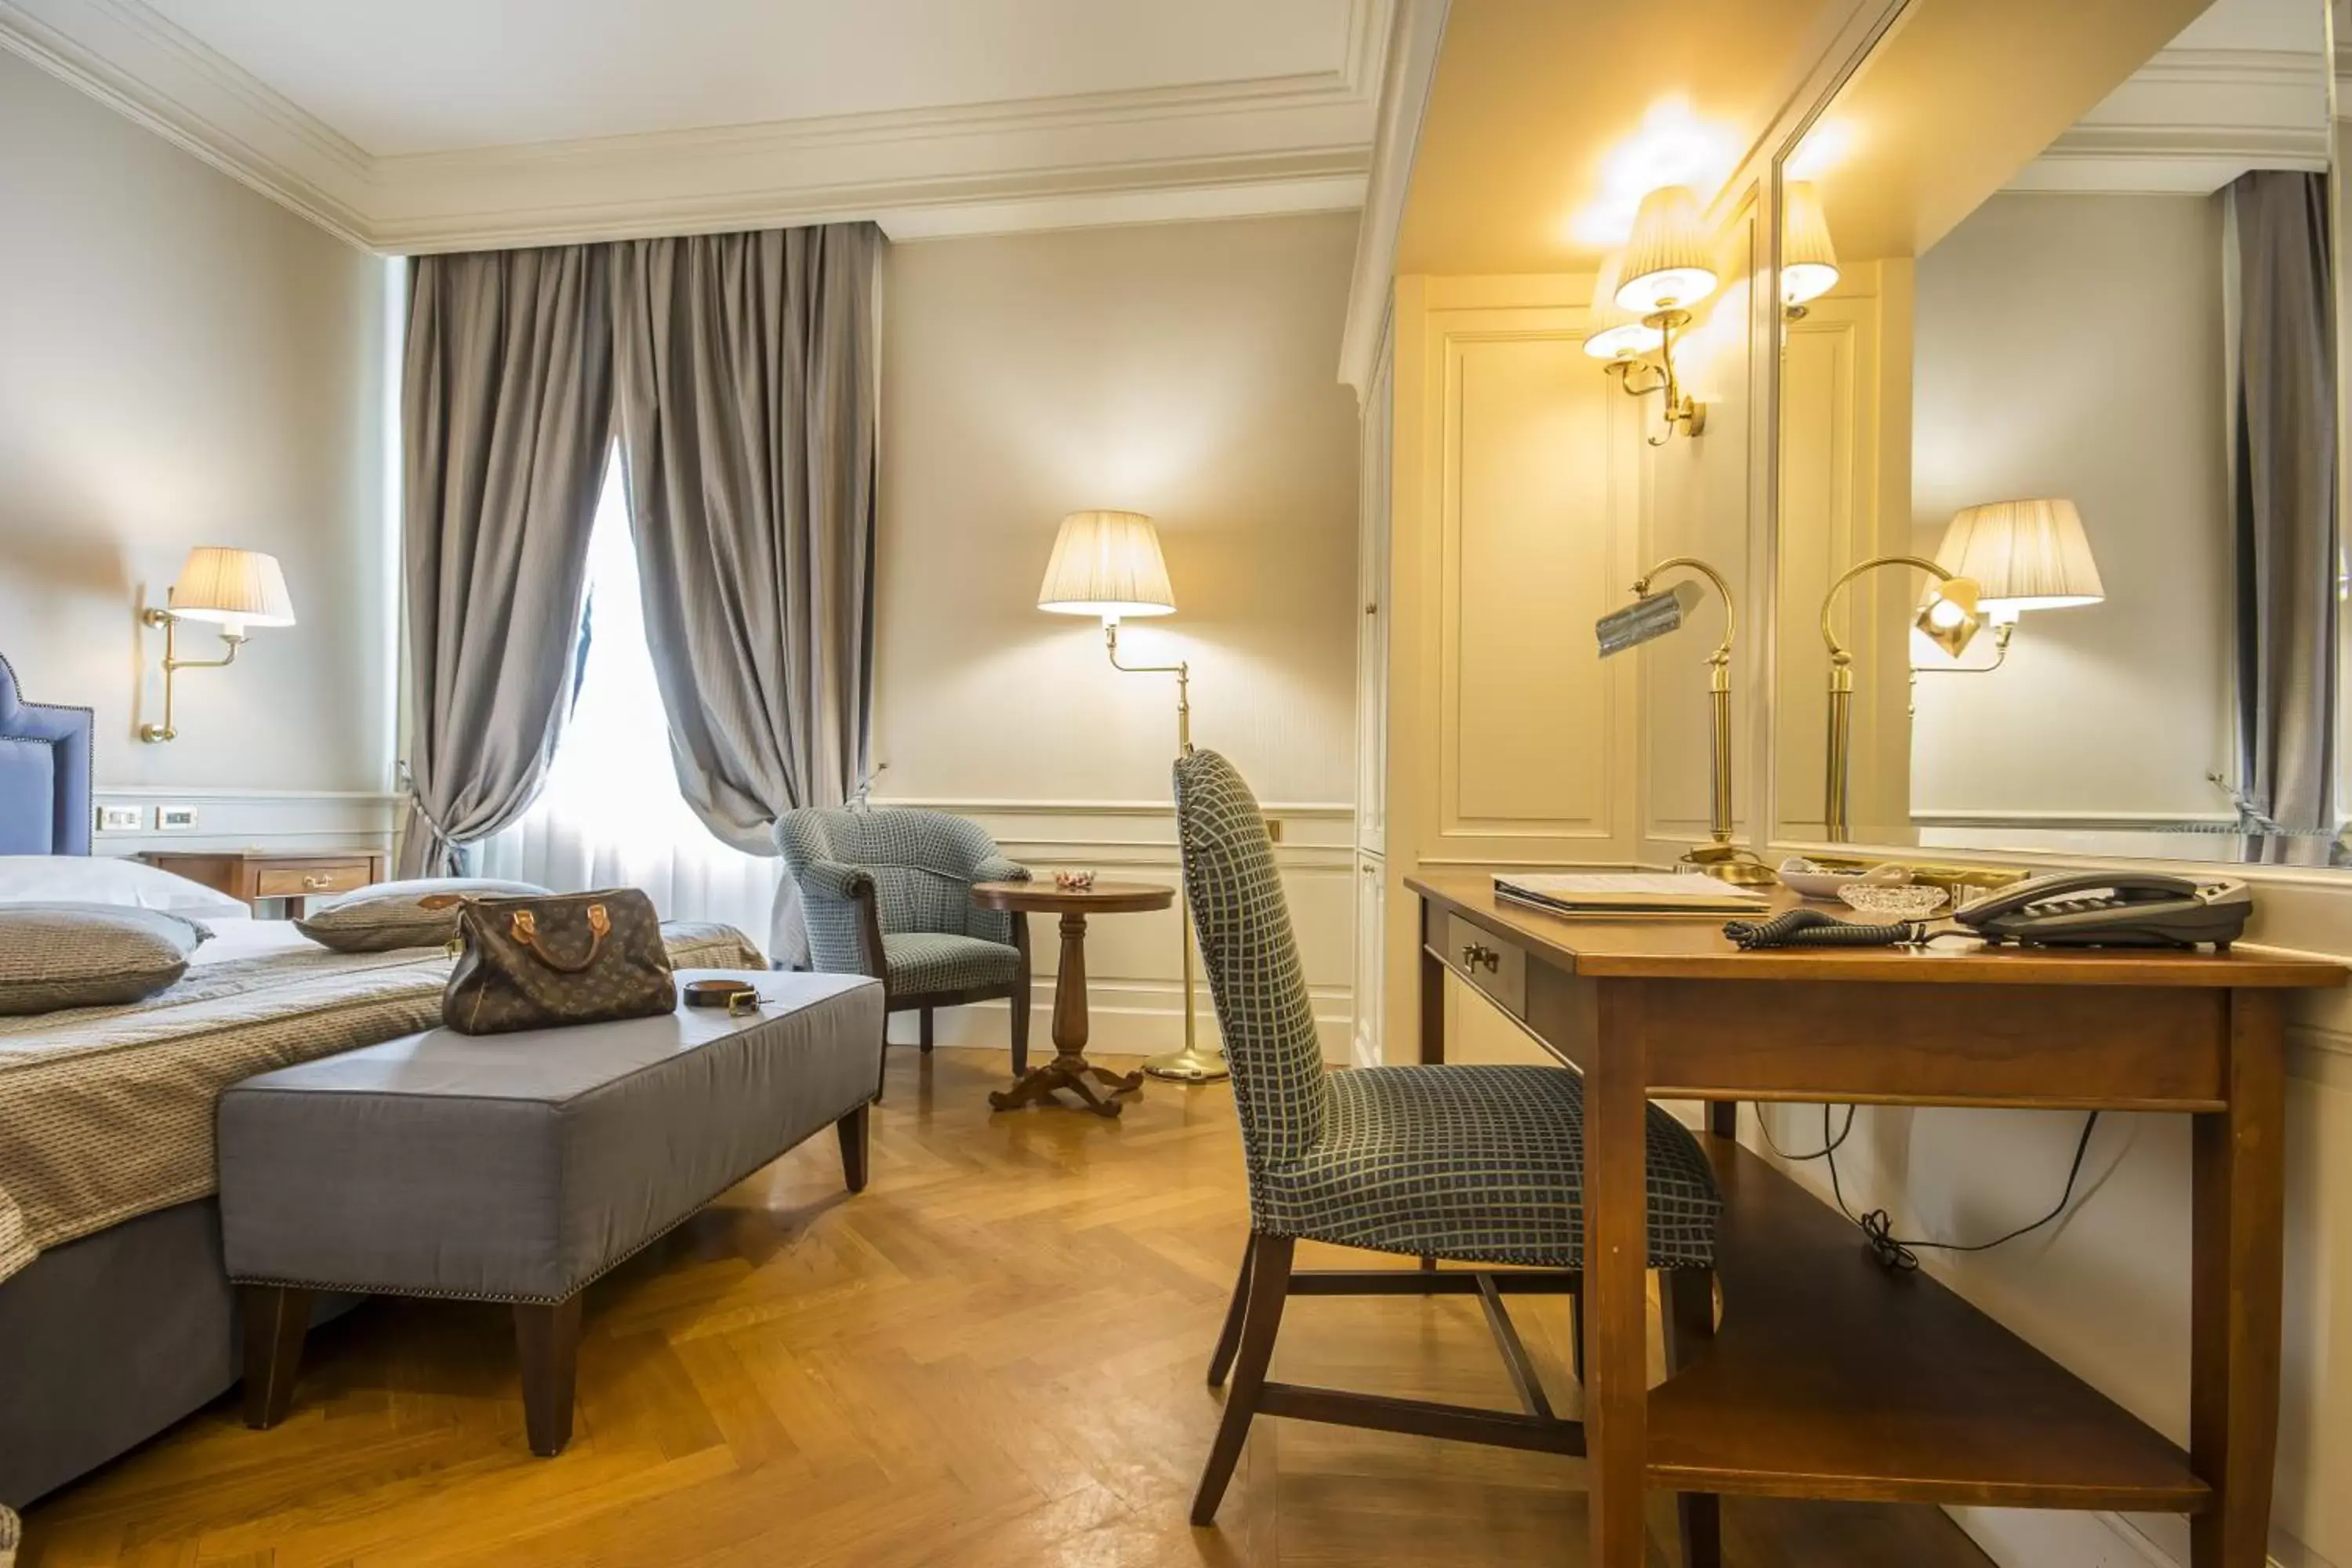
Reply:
x=302 y=881
x=1488 y=961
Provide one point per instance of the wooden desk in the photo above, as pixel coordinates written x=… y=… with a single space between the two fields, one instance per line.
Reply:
x=1829 y=1377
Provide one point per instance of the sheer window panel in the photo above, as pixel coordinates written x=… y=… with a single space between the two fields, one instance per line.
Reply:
x=611 y=815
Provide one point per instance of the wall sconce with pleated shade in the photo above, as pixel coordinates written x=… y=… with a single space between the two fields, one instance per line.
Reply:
x=1809 y=266
x=2023 y=556
x=1108 y=564
x=1612 y=332
x=1667 y=267
x=228 y=588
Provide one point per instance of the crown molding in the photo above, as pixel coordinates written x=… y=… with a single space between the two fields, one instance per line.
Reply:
x=1242 y=148
x=2190 y=122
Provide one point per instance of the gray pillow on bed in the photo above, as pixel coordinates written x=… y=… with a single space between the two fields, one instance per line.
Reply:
x=56 y=956
x=392 y=915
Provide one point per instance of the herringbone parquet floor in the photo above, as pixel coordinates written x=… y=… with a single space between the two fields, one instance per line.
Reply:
x=991 y=1358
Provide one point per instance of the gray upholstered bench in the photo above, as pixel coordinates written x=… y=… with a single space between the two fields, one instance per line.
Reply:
x=521 y=1167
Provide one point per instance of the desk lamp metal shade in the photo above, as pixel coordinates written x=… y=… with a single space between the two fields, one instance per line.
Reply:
x=1108 y=564
x=231 y=589
x=1950 y=619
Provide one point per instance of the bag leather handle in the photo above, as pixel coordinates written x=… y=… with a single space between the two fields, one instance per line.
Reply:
x=524 y=928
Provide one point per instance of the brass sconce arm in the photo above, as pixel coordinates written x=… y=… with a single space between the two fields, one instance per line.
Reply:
x=173 y=664
x=1678 y=407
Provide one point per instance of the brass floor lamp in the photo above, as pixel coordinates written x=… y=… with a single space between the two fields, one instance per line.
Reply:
x=1108 y=564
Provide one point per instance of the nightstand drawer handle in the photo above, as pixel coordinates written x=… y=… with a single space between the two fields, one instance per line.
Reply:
x=1477 y=955
x=316 y=882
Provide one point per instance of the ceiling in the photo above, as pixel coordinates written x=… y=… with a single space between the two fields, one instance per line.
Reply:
x=1547 y=121
x=439 y=124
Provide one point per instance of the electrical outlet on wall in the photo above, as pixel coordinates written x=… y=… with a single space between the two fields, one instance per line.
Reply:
x=175 y=819
x=117 y=819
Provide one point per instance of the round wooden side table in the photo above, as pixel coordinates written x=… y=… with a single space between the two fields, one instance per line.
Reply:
x=1069 y=1068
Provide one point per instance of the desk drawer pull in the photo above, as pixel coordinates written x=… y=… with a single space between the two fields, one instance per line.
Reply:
x=1477 y=955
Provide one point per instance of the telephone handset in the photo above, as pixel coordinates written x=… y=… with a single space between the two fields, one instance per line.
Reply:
x=2113 y=908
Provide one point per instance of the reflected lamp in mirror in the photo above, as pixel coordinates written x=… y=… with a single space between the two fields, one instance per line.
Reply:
x=233 y=590
x=1808 y=257
x=1665 y=269
x=2023 y=556
x=1950 y=617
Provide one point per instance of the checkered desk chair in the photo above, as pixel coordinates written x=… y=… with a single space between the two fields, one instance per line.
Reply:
x=888 y=893
x=1482 y=1166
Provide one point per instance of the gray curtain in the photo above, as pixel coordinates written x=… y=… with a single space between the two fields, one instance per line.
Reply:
x=746 y=375
x=2282 y=479
x=507 y=415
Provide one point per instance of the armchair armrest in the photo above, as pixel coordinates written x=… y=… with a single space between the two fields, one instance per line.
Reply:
x=833 y=879
x=997 y=868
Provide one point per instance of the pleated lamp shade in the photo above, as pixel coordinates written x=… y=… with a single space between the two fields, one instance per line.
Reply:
x=236 y=588
x=1669 y=264
x=1106 y=563
x=1808 y=257
x=1611 y=332
x=2024 y=555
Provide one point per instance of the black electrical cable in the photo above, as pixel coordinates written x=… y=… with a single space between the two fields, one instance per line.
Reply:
x=1829 y=1144
x=1901 y=1255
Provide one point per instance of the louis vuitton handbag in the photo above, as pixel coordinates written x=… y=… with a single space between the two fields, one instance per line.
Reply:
x=547 y=962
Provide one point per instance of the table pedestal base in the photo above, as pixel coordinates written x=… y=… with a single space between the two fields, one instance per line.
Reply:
x=1069 y=1068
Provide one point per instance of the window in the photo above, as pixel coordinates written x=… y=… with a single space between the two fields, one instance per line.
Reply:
x=611 y=814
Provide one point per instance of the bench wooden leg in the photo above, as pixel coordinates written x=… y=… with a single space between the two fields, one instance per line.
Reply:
x=851 y=1129
x=926 y=1035
x=547 y=1340
x=276 y=1318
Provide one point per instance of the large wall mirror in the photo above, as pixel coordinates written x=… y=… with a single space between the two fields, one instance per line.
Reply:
x=2060 y=353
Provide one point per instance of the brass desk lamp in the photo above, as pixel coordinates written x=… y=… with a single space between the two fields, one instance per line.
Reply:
x=1950 y=619
x=1653 y=616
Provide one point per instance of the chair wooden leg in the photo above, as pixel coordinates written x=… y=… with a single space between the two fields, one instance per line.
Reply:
x=1269 y=1285
x=1687 y=1296
x=1229 y=1338
x=547 y=1341
x=276 y=1318
x=926 y=1035
x=852 y=1129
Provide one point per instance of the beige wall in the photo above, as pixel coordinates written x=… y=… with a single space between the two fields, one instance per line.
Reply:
x=1187 y=371
x=183 y=361
x=2070 y=346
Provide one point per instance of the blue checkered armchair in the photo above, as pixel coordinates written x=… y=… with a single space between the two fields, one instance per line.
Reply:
x=1480 y=1166
x=888 y=893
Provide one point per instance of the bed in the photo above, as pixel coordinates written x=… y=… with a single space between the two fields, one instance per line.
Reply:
x=116 y=1319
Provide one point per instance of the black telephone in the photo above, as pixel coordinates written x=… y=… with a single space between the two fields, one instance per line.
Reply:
x=2113 y=908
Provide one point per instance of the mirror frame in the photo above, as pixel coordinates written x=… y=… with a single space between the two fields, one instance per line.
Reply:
x=1872 y=22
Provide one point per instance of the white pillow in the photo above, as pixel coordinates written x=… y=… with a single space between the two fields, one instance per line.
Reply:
x=111 y=879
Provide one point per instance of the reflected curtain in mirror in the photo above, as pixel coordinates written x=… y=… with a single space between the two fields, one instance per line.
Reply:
x=2282 y=492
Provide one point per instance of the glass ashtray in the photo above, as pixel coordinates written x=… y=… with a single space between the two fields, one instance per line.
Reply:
x=1909 y=902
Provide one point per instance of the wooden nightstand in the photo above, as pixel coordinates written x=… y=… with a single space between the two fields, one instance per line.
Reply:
x=295 y=876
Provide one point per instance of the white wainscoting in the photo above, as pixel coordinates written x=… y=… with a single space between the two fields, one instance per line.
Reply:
x=1134 y=981
x=253 y=819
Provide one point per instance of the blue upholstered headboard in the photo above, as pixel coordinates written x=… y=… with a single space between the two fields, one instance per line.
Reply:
x=45 y=806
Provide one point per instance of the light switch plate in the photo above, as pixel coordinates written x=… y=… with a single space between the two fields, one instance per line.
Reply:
x=117 y=819
x=175 y=819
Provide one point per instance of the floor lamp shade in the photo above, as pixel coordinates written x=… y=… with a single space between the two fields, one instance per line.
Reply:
x=236 y=588
x=1106 y=563
x=2024 y=555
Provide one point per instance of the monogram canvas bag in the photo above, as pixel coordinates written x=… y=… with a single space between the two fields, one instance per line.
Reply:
x=544 y=963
